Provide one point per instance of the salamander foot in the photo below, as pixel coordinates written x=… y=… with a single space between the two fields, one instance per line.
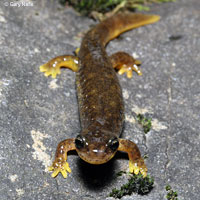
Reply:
x=62 y=168
x=138 y=166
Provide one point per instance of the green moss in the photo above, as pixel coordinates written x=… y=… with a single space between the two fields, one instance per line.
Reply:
x=85 y=7
x=145 y=122
x=136 y=184
x=171 y=195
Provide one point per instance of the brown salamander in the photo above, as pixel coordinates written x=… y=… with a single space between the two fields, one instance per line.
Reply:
x=99 y=95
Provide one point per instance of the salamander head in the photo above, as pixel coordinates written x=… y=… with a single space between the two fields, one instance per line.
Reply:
x=96 y=147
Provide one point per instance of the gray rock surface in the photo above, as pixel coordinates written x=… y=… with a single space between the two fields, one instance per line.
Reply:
x=38 y=112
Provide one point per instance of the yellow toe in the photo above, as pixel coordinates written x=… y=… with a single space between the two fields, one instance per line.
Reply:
x=129 y=74
x=51 y=168
x=42 y=68
x=136 y=170
x=47 y=73
x=55 y=173
x=66 y=167
x=64 y=173
x=121 y=71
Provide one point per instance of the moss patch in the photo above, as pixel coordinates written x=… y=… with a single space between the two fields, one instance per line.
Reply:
x=136 y=184
x=145 y=122
x=85 y=7
x=171 y=194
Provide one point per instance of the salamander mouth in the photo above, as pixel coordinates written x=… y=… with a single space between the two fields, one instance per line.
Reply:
x=96 y=159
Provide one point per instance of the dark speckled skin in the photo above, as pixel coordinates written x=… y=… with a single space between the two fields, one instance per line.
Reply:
x=98 y=89
x=99 y=94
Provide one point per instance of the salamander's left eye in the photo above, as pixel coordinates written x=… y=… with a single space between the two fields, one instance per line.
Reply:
x=113 y=144
x=79 y=142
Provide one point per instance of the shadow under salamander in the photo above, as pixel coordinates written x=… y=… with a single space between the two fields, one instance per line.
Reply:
x=96 y=177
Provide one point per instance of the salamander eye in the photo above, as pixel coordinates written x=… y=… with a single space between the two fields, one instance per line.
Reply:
x=79 y=142
x=113 y=144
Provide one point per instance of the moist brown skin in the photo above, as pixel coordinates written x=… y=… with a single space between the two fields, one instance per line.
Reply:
x=99 y=94
x=100 y=98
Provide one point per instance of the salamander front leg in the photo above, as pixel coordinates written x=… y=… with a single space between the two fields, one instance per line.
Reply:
x=60 y=164
x=136 y=162
x=123 y=62
x=53 y=66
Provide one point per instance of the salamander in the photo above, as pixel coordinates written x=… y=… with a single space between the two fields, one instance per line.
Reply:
x=99 y=94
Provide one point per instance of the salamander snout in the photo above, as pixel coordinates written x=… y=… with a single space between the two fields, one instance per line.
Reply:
x=95 y=150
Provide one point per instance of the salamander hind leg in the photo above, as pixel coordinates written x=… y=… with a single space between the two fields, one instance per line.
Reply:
x=59 y=164
x=53 y=66
x=125 y=63
x=136 y=162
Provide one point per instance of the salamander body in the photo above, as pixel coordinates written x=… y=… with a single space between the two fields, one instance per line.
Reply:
x=99 y=95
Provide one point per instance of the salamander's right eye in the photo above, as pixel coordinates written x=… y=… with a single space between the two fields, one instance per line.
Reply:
x=113 y=144
x=79 y=142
